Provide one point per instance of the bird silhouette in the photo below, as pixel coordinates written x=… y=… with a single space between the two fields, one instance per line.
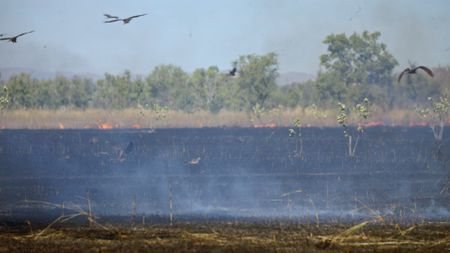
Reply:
x=14 y=39
x=129 y=148
x=232 y=72
x=124 y=20
x=414 y=70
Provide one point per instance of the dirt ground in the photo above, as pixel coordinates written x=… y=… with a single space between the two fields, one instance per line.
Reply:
x=224 y=236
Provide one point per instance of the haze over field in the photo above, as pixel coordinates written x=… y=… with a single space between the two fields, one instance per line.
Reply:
x=70 y=36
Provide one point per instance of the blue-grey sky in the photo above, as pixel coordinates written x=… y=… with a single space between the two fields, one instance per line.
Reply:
x=71 y=36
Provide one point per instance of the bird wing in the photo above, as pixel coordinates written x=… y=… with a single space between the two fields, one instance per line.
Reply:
x=111 y=21
x=24 y=33
x=429 y=72
x=136 y=16
x=5 y=38
x=129 y=148
x=110 y=16
x=401 y=74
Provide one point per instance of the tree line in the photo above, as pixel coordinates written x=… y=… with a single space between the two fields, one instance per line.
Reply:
x=353 y=68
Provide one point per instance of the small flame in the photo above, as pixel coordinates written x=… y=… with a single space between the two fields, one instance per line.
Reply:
x=61 y=125
x=105 y=126
x=374 y=123
x=420 y=123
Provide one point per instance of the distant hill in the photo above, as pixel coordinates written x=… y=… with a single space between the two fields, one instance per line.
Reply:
x=6 y=73
x=294 y=77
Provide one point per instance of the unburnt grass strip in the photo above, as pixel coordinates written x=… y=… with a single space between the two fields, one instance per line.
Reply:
x=230 y=236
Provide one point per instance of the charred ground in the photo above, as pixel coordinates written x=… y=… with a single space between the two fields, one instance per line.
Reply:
x=224 y=189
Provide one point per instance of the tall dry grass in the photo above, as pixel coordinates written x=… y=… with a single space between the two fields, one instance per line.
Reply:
x=146 y=118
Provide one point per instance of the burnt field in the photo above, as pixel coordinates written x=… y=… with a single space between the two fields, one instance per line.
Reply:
x=230 y=189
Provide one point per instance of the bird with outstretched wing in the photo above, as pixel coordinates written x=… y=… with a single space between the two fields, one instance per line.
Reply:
x=127 y=20
x=414 y=70
x=121 y=155
x=124 y=20
x=194 y=161
x=232 y=72
x=14 y=38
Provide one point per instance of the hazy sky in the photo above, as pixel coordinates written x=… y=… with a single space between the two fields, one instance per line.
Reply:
x=71 y=36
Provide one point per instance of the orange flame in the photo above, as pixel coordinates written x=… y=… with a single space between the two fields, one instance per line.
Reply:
x=105 y=126
x=61 y=126
x=420 y=123
x=136 y=126
x=374 y=123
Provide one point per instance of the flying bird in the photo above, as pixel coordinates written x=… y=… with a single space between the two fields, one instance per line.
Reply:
x=413 y=71
x=232 y=72
x=124 y=20
x=123 y=152
x=129 y=148
x=14 y=39
x=194 y=161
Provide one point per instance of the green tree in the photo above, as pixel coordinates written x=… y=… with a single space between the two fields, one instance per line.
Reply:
x=4 y=98
x=209 y=88
x=104 y=96
x=137 y=92
x=167 y=85
x=356 y=67
x=118 y=91
x=295 y=94
x=81 y=92
x=21 y=88
x=256 y=80
x=45 y=96
x=62 y=88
